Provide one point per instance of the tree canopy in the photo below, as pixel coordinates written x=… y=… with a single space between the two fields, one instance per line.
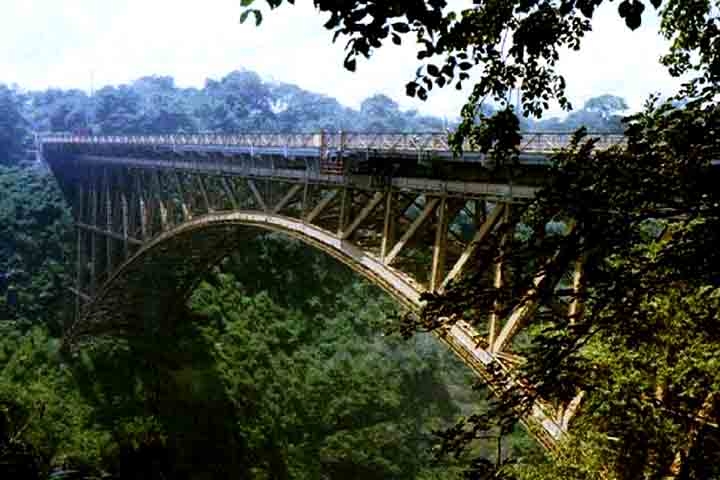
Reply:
x=640 y=219
x=242 y=101
x=12 y=126
x=278 y=368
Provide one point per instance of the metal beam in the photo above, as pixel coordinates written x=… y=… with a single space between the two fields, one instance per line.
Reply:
x=125 y=224
x=567 y=413
x=474 y=244
x=498 y=191
x=367 y=210
x=80 y=295
x=158 y=198
x=519 y=314
x=109 y=234
x=527 y=305
x=321 y=206
x=93 y=238
x=230 y=193
x=441 y=234
x=345 y=207
x=143 y=208
x=108 y=224
x=388 y=235
x=494 y=322
x=203 y=191
x=187 y=212
x=80 y=251
x=286 y=199
x=429 y=209
x=256 y=194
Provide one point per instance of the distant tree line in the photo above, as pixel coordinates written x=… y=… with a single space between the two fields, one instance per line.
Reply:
x=240 y=101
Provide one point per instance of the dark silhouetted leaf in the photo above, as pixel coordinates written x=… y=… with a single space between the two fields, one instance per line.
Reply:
x=401 y=27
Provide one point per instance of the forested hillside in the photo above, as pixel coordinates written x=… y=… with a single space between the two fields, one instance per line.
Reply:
x=280 y=369
x=241 y=101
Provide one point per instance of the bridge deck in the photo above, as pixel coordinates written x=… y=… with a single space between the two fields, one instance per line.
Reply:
x=228 y=167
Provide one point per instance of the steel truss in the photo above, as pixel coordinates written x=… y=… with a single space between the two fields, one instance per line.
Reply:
x=149 y=226
x=321 y=141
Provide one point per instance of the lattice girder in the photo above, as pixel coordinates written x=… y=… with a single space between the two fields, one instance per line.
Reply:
x=148 y=227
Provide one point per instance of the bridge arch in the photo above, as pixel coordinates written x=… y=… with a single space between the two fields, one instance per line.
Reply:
x=161 y=273
x=186 y=203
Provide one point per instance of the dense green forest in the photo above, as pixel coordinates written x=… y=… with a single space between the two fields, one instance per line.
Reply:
x=281 y=368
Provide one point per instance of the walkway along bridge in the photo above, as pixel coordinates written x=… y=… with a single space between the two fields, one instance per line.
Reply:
x=154 y=212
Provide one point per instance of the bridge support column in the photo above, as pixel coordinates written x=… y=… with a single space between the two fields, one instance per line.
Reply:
x=108 y=225
x=187 y=214
x=142 y=208
x=388 y=235
x=93 y=237
x=79 y=252
x=438 y=260
x=346 y=202
x=125 y=223
x=157 y=189
x=206 y=198
x=494 y=324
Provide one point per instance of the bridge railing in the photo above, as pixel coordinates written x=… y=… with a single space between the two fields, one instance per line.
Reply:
x=295 y=140
x=400 y=142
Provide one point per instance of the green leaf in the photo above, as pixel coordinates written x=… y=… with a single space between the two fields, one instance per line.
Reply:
x=566 y=7
x=631 y=11
x=246 y=3
x=401 y=27
x=350 y=64
x=422 y=94
x=411 y=88
x=258 y=16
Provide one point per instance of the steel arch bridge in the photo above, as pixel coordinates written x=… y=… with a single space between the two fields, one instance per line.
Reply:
x=154 y=212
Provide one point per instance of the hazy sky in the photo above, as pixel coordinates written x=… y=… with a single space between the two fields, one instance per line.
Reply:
x=59 y=43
